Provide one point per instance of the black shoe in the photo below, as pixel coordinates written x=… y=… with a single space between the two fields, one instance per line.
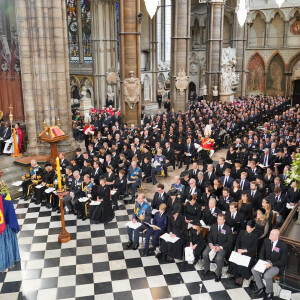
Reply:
x=159 y=254
x=268 y=296
x=37 y=202
x=218 y=278
x=151 y=250
x=154 y=182
x=70 y=212
x=259 y=292
x=205 y=273
x=129 y=244
x=54 y=208
x=79 y=216
x=83 y=218
x=145 y=252
x=48 y=205
x=169 y=259
x=33 y=200
x=135 y=246
x=24 y=196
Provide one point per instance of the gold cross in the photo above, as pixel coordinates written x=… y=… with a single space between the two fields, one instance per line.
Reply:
x=10 y=108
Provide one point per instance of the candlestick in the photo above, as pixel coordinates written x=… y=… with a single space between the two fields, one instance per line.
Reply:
x=58 y=173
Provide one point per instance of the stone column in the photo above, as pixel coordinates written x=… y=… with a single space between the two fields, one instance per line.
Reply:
x=130 y=54
x=239 y=43
x=163 y=30
x=285 y=33
x=215 y=21
x=180 y=50
x=43 y=45
x=153 y=57
x=268 y=25
x=104 y=39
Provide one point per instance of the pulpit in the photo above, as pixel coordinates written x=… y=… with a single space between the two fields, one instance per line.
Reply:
x=290 y=234
x=53 y=135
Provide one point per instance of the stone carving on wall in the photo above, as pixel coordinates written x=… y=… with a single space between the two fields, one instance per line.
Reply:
x=182 y=81
x=163 y=66
x=132 y=90
x=229 y=78
x=275 y=76
x=295 y=27
x=147 y=88
x=110 y=93
x=5 y=53
x=256 y=76
x=215 y=91
x=111 y=77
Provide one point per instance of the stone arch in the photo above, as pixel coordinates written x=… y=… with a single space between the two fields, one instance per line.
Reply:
x=202 y=20
x=277 y=52
x=229 y=17
x=274 y=12
x=256 y=75
x=194 y=18
x=292 y=62
x=292 y=12
x=276 y=31
x=257 y=30
x=227 y=30
x=196 y=34
x=275 y=81
x=261 y=56
x=252 y=16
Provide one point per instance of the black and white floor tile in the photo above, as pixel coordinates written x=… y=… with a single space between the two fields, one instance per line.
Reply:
x=95 y=264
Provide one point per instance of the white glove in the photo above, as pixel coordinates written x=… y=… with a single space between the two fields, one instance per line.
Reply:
x=200 y=148
x=211 y=153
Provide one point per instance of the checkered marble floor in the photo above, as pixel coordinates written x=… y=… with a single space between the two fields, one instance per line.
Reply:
x=95 y=264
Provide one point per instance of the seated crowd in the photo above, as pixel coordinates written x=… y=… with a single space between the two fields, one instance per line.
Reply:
x=239 y=204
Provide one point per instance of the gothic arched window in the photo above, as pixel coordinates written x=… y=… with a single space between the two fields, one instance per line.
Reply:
x=79 y=31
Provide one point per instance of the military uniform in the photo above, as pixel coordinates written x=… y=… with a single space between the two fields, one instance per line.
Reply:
x=32 y=179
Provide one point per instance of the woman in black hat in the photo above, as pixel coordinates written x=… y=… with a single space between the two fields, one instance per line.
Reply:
x=173 y=200
x=192 y=210
x=176 y=228
x=196 y=241
x=246 y=244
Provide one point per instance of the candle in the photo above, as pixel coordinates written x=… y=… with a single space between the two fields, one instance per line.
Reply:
x=58 y=173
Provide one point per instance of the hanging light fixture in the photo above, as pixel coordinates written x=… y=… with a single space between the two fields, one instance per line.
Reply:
x=279 y=2
x=151 y=6
x=241 y=12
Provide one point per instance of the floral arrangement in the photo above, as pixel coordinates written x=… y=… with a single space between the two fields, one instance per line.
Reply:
x=294 y=173
x=3 y=188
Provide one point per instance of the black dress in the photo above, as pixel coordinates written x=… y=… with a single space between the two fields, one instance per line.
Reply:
x=247 y=241
x=103 y=212
x=236 y=195
x=261 y=230
x=170 y=205
x=193 y=212
x=197 y=239
x=177 y=227
x=246 y=210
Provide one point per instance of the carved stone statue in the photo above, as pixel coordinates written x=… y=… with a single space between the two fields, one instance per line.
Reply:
x=229 y=79
x=182 y=81
x=204 y=90
x=110 y=92
x=132 y=90
x=215 y=91
x=85 y=102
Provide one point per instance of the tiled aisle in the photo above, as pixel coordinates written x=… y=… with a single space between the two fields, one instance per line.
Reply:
x=95 y=264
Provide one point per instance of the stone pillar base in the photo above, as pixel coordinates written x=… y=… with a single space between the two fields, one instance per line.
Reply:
x=226 y=97
x=85 y=106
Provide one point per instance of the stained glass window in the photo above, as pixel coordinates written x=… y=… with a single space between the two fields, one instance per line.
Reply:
x=73 y=31
x=86 y=30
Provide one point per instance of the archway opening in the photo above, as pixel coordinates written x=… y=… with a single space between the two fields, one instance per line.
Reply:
x=296 y=92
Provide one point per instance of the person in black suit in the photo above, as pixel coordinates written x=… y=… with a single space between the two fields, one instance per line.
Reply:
x=189 y=151
x=71 y=200
x=5 y=135
x=119 y=188
x=169 y=154
x=193 y=173
x=211 y=212
x=275 y=252
x=255 y=196
x=159 y=197
x=200 y=182
x=209 y=175
x=219 y=240
x=79 y=158
x=225 y=200
x=253 y=171
x=266 y=159
x=278 y=204
x=220 y=168
x=159 y=99
x=191 y=190
x=63 y=163
x=96 y=173
x=235 y=220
